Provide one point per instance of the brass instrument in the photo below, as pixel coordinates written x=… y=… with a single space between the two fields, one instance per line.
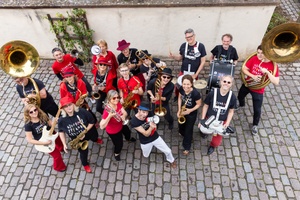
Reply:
x=159 y=111
x=20 y=59
x=77 y=143
x=117 y=117
x=36 y=100
x=181 y=119
x=281 y=44
x=128 y=103
x=140 y=54
x=81 y=103
x=96 y=95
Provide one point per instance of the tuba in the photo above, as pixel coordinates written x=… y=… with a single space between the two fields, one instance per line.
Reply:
x=20 y=59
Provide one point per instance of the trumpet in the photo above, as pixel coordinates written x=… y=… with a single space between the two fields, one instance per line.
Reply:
x=181 y=119
x=96 y=95
x=117 y=115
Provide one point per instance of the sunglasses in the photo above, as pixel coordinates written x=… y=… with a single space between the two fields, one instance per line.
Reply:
x=125 y=70
x=102 y=65
x=33 y=111
x=114 y=98
x=228 y=82
x=167 y=77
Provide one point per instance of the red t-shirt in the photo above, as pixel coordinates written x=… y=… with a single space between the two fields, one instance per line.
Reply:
x=253 y=66
x=81 y=90
x=128 y=85
x=111 y=59
x=68 y=61
x=113 y=126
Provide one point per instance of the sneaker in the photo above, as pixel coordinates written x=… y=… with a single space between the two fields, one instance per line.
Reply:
x=117 y=157
x=92 y=100
x=254 y=130
x=87 y=168
x=99 y=141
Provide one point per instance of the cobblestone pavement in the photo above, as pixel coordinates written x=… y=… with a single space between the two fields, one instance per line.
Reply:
x=291 y=8
x=266 y=166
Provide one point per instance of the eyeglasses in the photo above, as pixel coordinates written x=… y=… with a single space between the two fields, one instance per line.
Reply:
x=188 y=37
x=124 y=70
x=167 y=77
x=228 y=82
x=114 y=98
x=33 y=111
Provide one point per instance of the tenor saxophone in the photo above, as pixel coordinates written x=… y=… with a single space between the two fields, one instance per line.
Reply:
x=128 y=104
x=77 y=143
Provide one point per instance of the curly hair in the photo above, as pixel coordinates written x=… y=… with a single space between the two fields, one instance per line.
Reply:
x=41 y=115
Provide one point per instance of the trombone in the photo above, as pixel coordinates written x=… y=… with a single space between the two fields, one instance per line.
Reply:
x=141 y=54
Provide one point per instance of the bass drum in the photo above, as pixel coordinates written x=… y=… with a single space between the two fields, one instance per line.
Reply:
x=217 y=70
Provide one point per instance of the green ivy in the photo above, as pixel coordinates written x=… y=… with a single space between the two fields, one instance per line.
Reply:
x=277 y=18
x=73 y=32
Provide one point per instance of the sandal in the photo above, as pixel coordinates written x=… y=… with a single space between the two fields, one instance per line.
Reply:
x=186 y=152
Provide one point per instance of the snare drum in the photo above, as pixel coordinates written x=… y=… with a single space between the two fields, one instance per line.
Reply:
x=217 y=70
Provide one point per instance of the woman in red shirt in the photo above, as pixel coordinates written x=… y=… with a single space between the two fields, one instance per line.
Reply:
x=103 y=81
x=112 y=120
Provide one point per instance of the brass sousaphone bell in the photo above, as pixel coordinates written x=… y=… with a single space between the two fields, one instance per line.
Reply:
x=281 y=44
x=20 y=59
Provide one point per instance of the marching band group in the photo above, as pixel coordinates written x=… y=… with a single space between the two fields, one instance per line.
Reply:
x=117 y=88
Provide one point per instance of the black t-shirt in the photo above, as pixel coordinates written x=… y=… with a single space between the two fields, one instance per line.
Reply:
x=225 y=53
x=35 y=128
x=135 y=122
x=167 y=90
x=133 y=60
x=29 y=89
x=192 y=57
x=191 y=99
x=72 y=126
x=220 y=101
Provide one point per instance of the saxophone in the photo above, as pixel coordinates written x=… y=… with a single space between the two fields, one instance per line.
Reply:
x=81 y=103
x=128 y=104
x=77 y=143
x=181 y=119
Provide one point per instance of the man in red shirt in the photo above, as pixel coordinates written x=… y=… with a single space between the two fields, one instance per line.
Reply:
x=67 y=61
x=255 y=68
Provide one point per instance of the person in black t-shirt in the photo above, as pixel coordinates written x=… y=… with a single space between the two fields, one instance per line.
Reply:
x=35 y=120
x=165 y=91
x=47 y=102
x=225 y=52
x=148 y=135
x=221 y=104
x=190 y=98
x=73 y=122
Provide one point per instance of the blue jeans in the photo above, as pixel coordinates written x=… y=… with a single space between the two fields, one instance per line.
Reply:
x=257 y=102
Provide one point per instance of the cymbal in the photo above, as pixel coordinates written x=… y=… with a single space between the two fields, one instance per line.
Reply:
x=200 y=84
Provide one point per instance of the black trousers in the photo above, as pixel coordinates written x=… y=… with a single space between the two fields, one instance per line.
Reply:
x=257 y=102
x=99 y=104
x=117 y=139
x=186 y=130
x=88 y=86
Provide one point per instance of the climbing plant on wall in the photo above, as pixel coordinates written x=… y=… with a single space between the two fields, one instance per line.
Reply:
x=72 y=32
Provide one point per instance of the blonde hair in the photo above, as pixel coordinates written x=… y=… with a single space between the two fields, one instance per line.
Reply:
x=41 y=115
x=101 y=41
x=64 y=113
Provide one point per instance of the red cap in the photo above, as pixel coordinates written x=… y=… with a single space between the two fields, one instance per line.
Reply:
x=65 y=101
x=68 y=71
x=102 y=60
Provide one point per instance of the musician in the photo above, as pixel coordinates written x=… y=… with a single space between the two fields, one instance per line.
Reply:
x=35 y=119
x=148 y=68
x=112 y=121
x=74 y=121
x=148 y=135
x=75 y=88
x=129 y=57
x=222 y=107
x=225 y=52
x=192 y=55
x=110 y=57
x=256 y=67
x=26 y=90
x=191 y=99
x=66 y=60
x=129 y=85
x=165 y=91
x=103 y=81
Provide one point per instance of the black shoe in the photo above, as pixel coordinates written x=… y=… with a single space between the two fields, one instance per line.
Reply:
x=131 y=139
x=171 y=126
x=204 y=136
x=210 y=150
x=117 y=157
x=175 y=99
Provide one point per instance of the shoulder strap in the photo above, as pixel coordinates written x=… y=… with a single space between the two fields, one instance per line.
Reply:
x=219 y=51
x=229 y=52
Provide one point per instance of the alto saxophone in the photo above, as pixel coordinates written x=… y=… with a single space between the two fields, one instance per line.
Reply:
x=77 y=143
x=181 y=119
x=128 y=104
x=80 y=102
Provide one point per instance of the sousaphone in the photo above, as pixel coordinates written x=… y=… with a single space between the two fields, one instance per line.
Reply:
x=20 y=59
x=281 y=44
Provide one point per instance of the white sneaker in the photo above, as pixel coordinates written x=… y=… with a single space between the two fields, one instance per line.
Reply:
x=92 y=100
x=254 y=130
